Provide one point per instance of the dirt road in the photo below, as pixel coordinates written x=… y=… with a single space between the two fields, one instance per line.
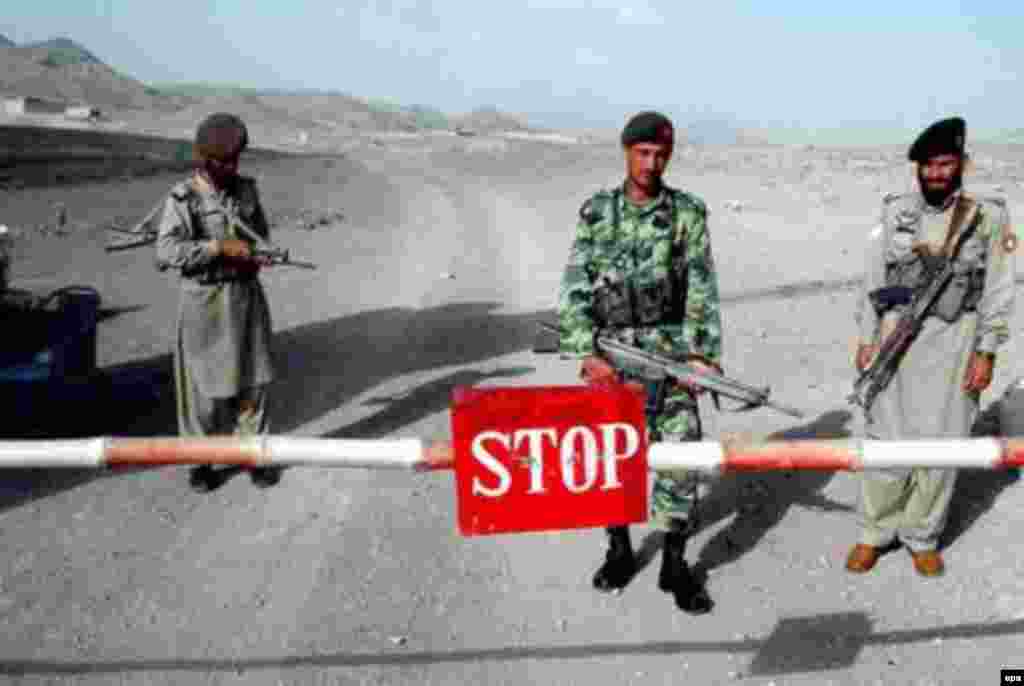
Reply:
x=433 y=279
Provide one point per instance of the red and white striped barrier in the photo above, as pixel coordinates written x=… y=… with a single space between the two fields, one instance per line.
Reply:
x=407 y=453
x=837 y=455
x=415 y=454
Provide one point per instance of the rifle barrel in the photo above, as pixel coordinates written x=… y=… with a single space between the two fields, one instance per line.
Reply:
x=127 y=245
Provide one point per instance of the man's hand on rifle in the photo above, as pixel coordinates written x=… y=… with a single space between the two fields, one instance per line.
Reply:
x=234 y=249
x=596 y=371
x=240 y=251
x=865 y=353
x=979 y=372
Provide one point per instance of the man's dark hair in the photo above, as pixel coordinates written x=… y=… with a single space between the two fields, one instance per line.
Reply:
x=221 y=135
x=648 y=127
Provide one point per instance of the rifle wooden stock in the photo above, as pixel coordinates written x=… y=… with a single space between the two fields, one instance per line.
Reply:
x=882 y=369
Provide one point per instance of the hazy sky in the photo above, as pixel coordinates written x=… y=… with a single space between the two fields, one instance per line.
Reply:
x=800 y=65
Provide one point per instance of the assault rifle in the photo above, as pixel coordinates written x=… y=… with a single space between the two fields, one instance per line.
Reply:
x=261 y=247
x=143 y=233
x=876 y=377
x=264 y=248
x=629 y=359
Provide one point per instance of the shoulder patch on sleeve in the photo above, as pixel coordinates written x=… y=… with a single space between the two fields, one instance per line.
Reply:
x=692 y=201
x=1010 y=241
x=595 y=207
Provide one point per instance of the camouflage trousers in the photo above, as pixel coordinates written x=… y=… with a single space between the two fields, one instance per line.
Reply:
x=674 y=495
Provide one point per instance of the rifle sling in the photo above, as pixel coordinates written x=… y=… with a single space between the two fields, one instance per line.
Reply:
x=960 y=213
x=964 y=208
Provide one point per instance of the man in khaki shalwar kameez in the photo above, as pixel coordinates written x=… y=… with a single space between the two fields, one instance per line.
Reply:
x=934 y=393
x=222 y=353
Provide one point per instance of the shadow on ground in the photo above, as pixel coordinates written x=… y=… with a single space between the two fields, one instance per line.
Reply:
x=133 y=399
x=37 y=156
x=760 y=500
x=321 y=367
x=977 y=490
x=324 y=365
x=816 y=644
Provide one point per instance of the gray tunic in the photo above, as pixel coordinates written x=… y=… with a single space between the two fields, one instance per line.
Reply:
x=925 y=398
x=224 y=326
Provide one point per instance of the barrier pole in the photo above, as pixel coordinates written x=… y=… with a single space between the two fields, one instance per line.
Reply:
x=402 y=453
x=837 y=455
x=418 y=455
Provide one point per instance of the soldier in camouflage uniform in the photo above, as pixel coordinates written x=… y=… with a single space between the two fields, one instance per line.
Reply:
x=934 y=393
x=222 y=353
x=640 y=270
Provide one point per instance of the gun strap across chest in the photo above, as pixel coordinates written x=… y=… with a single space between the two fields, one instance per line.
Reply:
x=965 y=208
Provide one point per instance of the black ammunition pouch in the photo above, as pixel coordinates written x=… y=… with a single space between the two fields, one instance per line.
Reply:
x=626 y=304
x=910 y=272
x=613 y=304
x=623 y=304
x=961 y=295
x=884 y=299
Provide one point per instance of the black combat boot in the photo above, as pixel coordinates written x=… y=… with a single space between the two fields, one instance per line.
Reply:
x=677 y=579
x=204 y=478
x=619 y=564
x=265 y=477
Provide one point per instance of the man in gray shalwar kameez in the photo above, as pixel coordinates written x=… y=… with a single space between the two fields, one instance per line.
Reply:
x=222 y=352
x=934 y=394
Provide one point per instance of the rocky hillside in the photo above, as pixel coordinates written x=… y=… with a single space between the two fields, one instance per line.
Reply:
x=489 y=119
x=63 y=70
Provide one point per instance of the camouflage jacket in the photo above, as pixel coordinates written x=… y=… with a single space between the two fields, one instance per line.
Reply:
x=647 y=246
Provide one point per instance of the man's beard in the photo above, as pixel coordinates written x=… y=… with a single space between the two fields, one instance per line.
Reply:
x=221 y=180
x=938 y=197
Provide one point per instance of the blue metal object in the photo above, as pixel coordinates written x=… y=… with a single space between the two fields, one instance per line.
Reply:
x=46 y=344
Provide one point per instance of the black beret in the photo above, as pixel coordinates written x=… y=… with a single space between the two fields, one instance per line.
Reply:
x=647 y=127
x=945 y=137
x=221 y=135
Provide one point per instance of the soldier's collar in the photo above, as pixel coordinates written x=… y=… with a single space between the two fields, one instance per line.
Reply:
x=652 y=204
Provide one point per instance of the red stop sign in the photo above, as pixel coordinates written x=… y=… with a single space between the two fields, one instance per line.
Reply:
x=549 y=458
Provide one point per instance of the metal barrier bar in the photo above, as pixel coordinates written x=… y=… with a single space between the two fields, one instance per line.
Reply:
x=407 y=453
x=415 y=454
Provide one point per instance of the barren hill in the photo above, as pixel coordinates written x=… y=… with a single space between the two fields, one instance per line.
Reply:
x=489 y=119
x=61 y=69
x=58 y=51
x=274 y=120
